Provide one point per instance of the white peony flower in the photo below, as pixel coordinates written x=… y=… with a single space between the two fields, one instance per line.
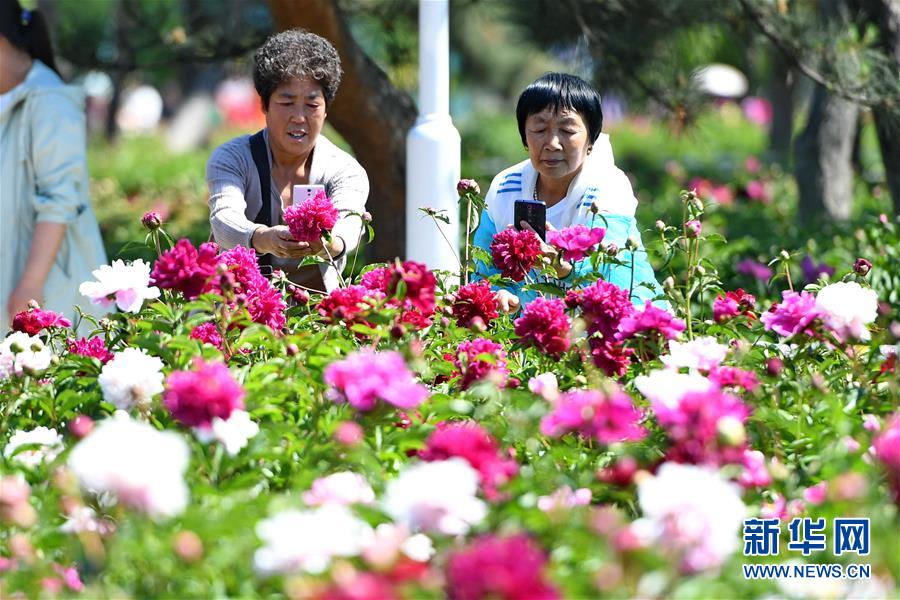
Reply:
x=667 y=386
x=22 y=353
x=131 y=378
x=390 y=540
x=693 y=511
x=50 y=442
x=340 y=488
x=545 y=385
x=126 y=286
x=233 y=433
x=307 y=540
x=143 y=467
x=703 y=353
x=436 y=496
x=848 y=308
x=85 y=519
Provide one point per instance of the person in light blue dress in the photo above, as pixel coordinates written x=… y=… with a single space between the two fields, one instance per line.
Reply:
x=570 y=168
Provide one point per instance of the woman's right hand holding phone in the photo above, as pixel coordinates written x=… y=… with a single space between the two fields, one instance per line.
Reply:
x=562 y=267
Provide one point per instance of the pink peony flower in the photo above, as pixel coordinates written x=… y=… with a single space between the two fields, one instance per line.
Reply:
x=378 y=279
x=467 y=186
x=266 y=304
x=758 y=191
x=733 y=304
x=544 y=324
x=468 y=440
x=577 y=241
x=343 y=488
x=94 y=347
x=795 y=314
x=758 y=110
x=734 y=377
x=651 y=320
x=365 y=377
x=185 y=268
x=475 y=299
x=506 y=568
x=607 y=418
x=515 y=252
x=242 y=266
x=755 y=473
x=604 y=305
x=693 y=228
x=206 y=391
x=473 y=369
x=886 y=446
x=33 y=320
x=816 y=494
x=564 y=498
x=312 y=219
x=208 y=333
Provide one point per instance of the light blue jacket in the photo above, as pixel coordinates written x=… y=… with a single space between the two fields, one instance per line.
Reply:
x=599 y=183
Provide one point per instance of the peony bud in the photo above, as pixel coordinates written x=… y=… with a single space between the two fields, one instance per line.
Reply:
x=292 y=349
x=151 y=220
x=477 y=325
x=785 y=255
x=660 y=225
x=348 y=434
x=632 y=243
x=300 y=296
x=81 y=425
x=367 y=217
x=188 y=546
x=693 y=228
x=731 y=431
x=669 y=283
x=467 y=186
x=398 y=331
x=610 y=249
x=774 y=366
x=862 y=267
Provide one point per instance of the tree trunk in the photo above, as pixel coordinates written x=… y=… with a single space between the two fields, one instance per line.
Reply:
x=885 y=14
x=781 y=93
x=823 y=151
x=370 y=113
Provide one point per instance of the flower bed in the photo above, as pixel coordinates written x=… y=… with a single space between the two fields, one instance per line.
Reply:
x=229 y=435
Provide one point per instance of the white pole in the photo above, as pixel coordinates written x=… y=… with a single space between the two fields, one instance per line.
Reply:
x=433 y=148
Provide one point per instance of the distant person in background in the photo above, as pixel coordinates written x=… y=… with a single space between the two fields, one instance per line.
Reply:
x=48 y=233
x=296 y=74
x=570 y=168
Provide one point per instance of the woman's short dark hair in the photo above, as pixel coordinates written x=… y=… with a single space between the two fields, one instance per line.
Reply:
x=296 y=53
x=27 y=30
x=561 y=91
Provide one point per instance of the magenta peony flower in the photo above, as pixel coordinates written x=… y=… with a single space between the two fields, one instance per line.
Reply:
x=606 y=418
x=378 y=279
x=755 y=473
x=208 y=333
x=652 y=320
x=700 y=427
x=468 y=440
x=734 y=377
x=365 y=377
x=604 y=305
x=419 y=283
x=348 y=305
x=754 y=269
x=185 y=268
x=33 y=320
x=204 y=392
x=795 y=314
x=312 y=219
x=506 y=568
x=577 y=241
x=886 y=447
x=473 y=369
x=610 y=356
x=475 y=299
x=94 y=347
x=734 y=303
x=544 y=324
x=242 y=266
x=266 y=304
x=515 y=252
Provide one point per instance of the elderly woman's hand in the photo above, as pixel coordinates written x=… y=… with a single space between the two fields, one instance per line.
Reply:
x=562 y=267
x=509 y=302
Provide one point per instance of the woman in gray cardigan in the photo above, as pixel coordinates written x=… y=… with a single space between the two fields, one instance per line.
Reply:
x=296 y=74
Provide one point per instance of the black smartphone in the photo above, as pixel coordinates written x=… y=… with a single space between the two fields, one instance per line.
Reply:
x=533 y=212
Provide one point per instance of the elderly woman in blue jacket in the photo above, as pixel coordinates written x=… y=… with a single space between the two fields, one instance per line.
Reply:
x=570 y=168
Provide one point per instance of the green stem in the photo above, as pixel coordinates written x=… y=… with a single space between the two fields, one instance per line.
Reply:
x=444 y=235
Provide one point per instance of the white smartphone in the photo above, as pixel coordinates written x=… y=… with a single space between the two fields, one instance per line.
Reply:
x=302 y=193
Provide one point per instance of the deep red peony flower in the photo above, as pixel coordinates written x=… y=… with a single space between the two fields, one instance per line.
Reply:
x=310 y=220
x=204 y=392
x=33 y=320
x=475 y=299
x=94 y=347
x=348 y=305
x=544 y=324
x=610 y=356
x=418 y=282
x=604 y=305
x=468 y=440
x=507 y=568
x=515 y=252
x=208 y=333
x=473 y=369
x=186 y=269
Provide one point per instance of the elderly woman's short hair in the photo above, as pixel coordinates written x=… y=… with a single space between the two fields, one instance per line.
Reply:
x=296 y=53
x=560 y=91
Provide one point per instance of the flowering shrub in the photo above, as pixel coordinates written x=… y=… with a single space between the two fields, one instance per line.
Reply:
x=225 y=435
